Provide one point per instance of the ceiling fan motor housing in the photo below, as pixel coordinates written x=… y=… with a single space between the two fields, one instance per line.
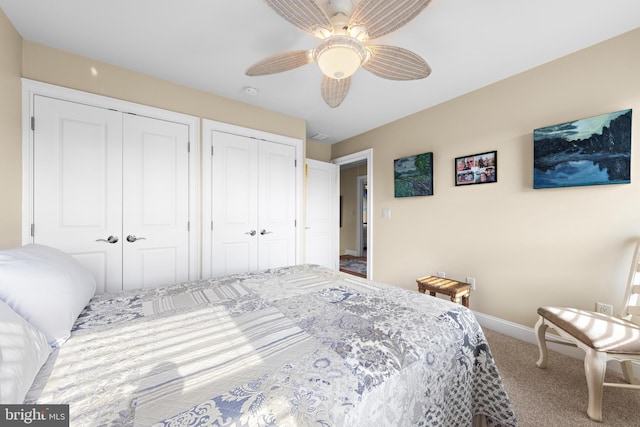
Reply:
x=344 y=7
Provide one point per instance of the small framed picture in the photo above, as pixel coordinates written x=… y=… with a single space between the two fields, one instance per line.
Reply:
x=413 y=175
x=477 y=168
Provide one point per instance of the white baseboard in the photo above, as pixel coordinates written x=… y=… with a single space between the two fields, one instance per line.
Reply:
x=527 y=334
x=350 y=252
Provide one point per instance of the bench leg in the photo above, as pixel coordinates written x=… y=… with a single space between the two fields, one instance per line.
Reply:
x=465 y=300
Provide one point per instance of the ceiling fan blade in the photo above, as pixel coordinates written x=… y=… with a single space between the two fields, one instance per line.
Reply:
x=279 y=62
x=396 y=63
x=304 y=14
x=381 y=17
x=334 y=91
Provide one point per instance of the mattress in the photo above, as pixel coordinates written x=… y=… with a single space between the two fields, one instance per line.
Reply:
x=294 y=346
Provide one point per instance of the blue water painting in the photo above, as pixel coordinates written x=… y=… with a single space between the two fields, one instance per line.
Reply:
x=592 y=151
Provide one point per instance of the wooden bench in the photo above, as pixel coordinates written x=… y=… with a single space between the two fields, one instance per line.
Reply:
x=458 y=291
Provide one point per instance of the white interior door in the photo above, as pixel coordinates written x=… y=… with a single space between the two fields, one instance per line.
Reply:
x=101 y=176
x=277 y=205
x=253 y=204
x=155 y=229
x=77 y=185
x=321 y=225
x=235 y=204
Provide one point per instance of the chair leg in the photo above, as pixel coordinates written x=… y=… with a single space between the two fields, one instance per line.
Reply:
x=627 y=371
x=595 y=365
x=541 y=329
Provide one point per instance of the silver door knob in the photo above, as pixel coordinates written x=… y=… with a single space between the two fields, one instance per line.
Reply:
x=263 y=232
x=132 y=238
x=110 y=239
x=251 y=233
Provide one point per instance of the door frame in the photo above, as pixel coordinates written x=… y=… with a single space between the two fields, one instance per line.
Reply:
x=362 y=182
x=32 y=88
x=354 y=158
x=209 y=126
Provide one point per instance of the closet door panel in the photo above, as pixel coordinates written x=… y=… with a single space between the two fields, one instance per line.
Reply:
x=155 y=202
x=235 y=204
x=276 y=201
x=77 y=185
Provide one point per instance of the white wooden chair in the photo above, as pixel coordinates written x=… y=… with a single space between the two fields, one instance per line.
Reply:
x=602 y=337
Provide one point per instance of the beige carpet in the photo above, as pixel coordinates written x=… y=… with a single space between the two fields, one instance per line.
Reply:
x=556 y=396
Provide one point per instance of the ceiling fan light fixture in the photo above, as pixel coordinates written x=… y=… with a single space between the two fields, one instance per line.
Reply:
x=340 y=56
x=339 y=62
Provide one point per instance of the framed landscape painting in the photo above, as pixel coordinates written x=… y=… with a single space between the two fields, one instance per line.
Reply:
x=591 y=151
x=413 y=175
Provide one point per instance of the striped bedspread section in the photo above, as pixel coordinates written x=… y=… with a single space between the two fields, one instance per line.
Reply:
x=192 y=299
x=153 y=367
x=221 y=352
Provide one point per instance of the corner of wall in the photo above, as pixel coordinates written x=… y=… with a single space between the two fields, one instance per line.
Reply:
x=10 y=133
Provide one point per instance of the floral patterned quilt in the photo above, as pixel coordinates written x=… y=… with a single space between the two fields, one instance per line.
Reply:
x=295 y=346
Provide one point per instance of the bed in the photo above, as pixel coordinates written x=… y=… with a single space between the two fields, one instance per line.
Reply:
x=294 y=346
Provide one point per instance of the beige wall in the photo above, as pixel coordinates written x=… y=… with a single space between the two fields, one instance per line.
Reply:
x=525 y=247
x=318 y=151
x=10 y=134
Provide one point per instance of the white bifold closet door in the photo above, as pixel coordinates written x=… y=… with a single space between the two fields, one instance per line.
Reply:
x=254 y=204
x=111 y=189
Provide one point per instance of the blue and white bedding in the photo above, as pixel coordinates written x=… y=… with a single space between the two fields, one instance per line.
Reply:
x=295 y=346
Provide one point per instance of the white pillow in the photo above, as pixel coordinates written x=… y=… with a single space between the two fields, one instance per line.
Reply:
x=47 y=287
x=23 y=351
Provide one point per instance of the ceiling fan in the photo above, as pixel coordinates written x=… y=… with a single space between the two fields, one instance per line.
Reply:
x=343 y=49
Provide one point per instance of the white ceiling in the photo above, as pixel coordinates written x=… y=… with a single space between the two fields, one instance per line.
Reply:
x=208 y=44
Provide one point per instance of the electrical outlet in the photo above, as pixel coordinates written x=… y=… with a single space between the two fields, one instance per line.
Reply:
x=441 y=274
x=604 y=308
x=472 y=282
